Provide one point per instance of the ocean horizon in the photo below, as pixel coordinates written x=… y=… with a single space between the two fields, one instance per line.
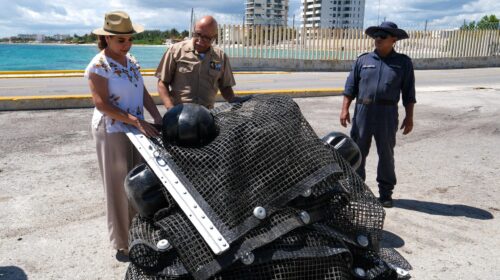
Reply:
x=23 y=57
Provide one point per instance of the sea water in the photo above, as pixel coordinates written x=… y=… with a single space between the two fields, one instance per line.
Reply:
x=15 y=57
x=76 y=57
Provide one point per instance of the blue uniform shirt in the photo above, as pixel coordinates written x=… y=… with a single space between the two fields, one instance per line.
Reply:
x=376 y=78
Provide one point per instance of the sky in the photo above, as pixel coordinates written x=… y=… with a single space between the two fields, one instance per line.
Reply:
x=82 y=16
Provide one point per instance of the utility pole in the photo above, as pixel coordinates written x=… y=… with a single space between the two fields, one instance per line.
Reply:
x=191 y=24
x=425 y=29
x=378 y=15
x=293 y=22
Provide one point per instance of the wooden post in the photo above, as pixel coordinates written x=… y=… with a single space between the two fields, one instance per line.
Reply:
x=337 y=44
x=472 y=42
x=330 y=44
x=281 y=46
x=468 y=47
x=421 y=44
x=230 y=39
x=248 y=33
x=484 y=42
x=254 y=41
x=267 y=41
x=258 y=41
x=425 y=49
x=241 y=42
x=287 y=40
x=276 y=45
x=262 y=41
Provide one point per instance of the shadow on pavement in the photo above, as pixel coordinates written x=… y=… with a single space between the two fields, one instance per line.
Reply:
x=391 y=240
x=434 y=208
x=12 y=273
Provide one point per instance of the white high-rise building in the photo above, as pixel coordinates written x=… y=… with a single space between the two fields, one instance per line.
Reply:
x=266 y=12
x=333 y=13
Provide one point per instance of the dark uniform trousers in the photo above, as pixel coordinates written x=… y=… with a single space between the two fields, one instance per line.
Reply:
x=379 y=122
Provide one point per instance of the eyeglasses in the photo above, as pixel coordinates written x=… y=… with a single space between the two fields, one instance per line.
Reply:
x=202 y=37
x=381 y=35
x=123 y=40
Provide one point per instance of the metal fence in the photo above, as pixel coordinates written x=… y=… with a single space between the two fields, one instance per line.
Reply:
x=346 y=44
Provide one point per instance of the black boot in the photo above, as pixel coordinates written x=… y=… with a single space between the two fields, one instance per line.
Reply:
x=386 y=201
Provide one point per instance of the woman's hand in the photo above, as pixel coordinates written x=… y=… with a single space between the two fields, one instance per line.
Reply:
x=146 y=128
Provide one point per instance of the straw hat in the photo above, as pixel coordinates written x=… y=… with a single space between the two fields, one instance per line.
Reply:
x=118 y=23
x=389 y=27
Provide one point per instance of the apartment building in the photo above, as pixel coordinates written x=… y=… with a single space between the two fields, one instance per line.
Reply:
x=32 y=37
x=266 y=12
x=333 y=13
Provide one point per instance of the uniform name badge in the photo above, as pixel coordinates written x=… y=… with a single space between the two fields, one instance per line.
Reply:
x=215 y=65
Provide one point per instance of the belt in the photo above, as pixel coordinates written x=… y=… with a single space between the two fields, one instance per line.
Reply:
x=385 y=102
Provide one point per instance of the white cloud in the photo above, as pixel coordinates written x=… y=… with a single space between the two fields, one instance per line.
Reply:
x=413 y=14
x=68 y=17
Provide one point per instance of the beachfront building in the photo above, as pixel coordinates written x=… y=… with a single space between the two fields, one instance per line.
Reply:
x=32 y=37
x=266 y=12
x=333 y=13
x=60 y=37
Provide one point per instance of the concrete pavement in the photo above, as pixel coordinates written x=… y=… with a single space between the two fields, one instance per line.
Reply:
x=72 y=92
x=445 y=219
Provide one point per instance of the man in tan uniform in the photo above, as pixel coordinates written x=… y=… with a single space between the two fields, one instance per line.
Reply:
x=193 y=71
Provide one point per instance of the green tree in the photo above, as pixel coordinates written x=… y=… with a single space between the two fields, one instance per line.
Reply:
x=470 y=26
x=174 y=33
x=148 y=37
x=488 y=22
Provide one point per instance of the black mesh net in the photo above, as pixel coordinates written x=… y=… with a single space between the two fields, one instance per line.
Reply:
x=301 y=254
x=265 y=155
x=326 y=268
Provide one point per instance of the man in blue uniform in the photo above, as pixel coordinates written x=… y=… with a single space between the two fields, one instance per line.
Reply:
x=377 y=81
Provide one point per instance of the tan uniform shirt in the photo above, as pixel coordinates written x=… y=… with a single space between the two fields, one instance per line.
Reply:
x=192 y=79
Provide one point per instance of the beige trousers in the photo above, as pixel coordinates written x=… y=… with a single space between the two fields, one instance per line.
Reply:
x=116 y=156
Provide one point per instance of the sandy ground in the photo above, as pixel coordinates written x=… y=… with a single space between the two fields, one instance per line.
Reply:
x=445 y=219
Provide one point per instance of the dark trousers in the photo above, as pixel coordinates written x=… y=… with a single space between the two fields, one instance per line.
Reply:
x=381 y=123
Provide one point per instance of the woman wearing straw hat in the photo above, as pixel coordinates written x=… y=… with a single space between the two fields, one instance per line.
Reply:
x=120 y=97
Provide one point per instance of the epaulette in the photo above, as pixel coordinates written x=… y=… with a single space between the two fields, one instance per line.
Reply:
x=404 y=55
x=360 y=55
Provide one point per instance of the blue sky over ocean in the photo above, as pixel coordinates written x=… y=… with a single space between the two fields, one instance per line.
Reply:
x=80 y=17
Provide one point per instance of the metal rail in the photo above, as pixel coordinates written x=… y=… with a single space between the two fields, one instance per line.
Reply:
x=179 y=192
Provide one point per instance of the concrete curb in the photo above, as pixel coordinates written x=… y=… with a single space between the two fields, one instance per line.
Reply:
x=17 y=103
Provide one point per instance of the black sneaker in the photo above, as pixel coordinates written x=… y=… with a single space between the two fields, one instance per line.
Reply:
x=386 y=201
x=122 y=255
